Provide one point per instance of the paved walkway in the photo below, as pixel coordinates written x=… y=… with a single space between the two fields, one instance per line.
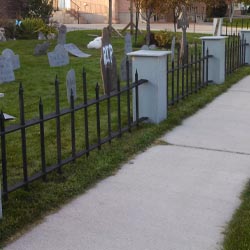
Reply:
x=178 y=196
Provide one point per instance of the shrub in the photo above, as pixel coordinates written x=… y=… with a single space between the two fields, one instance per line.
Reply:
x=30 y=28
x=164 y=38
x=219 y=10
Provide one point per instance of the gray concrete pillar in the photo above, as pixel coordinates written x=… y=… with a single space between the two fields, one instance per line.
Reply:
x=151 y=65
x=245 y=34
x=216 y=46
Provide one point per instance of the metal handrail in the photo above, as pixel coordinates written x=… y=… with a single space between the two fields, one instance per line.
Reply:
x=75 y=10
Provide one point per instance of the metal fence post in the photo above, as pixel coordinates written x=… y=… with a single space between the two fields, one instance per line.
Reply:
x=245 y=35
x=152 y=66
x=1 y=211
x=217 y=48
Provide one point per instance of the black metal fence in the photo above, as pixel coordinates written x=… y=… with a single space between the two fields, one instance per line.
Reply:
x=187 y=78
x=105 y=109
x=235 y=53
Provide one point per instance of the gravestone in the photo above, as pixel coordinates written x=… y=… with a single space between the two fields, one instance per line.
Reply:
x=2 y=35
x=58 y=57
x=74 y=50
x=41 y=49
x=172 y=48
x=41 y=36
x=71 y=84
x=6 y=70
x=62 y=35
x=183 y=24
x=14 y=59
x=217 y=26
x=108 y=63
x=127 y=49
x=51 y=36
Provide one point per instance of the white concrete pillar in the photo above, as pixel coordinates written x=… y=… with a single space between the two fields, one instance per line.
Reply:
x=152 y=66
x=216 y=46
x=245 y=34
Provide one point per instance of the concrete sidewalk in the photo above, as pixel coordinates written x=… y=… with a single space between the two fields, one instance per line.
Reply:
x=178 y=196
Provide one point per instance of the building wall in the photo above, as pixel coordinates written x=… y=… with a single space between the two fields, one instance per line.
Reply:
x=11 y=8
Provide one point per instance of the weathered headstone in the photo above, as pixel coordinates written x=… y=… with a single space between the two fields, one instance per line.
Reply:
x=14 y=59
x=172 y=48
x=108 y=63
x=74 y=50
x=51 y=36
x=183 y=24
x=2 y=35
x=127 y=49
x=6 y=70
x=71 y=84
x=58 y=57
x=41 y=49
x=41 y=36
x=62 y=35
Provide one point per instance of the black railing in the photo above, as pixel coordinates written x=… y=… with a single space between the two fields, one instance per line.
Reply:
x=187 y=78
x=235 y=53
x=74 y=10
x=234 y=27
x=94 y=108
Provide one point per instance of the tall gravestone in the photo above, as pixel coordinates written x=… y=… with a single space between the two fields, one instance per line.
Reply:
x=58 y=57
x=14 y=59
x=127 y=49
x=62 y=35
x=6 y=70
x=108 y=63
x=2 y=35
x=71 y=84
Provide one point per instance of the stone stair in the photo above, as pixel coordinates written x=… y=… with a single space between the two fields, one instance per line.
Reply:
x=65 y=17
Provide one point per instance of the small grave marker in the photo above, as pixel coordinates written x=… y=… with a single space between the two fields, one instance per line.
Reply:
x=74 y=50
x=6 y=70
x=41 y=49
x=41 y=36
x=108 y=63
x=71 y=84
x=128 y=48
x=14 y=59
x=2 y=35
x=58 y=57
x=62 y=35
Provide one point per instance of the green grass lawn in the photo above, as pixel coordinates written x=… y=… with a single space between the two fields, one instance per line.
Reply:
x=26 y=207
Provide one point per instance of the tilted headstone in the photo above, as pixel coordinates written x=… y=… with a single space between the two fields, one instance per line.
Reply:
x=41 y=49
x=71 y=84
x=6 y=70
x=8 y=53
x=2 y=35
x=41 y=36
x=74 y=50
x=58 y=57
x=217 y=26
x=62 y=35
x=108 y=63
x=128 y=48
x=183 y=24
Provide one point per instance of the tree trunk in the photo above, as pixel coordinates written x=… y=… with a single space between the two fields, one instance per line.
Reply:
x=148 y=16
